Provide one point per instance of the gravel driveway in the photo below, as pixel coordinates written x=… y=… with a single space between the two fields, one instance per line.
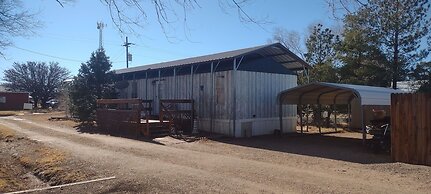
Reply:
x=294 y=164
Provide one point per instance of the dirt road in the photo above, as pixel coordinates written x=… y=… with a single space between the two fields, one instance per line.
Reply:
x=311 y=164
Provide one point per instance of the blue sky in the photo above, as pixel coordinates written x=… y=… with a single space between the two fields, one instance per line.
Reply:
x=69 y=34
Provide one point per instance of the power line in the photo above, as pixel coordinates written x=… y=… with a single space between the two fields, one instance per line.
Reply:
x=2 y=67
x=118 y=61
x=76 y=39
x=80 y=40
x=66 y=59
x=180 y=54
x=119 y=53
x=47 y=55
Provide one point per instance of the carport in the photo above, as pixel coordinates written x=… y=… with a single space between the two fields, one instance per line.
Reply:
x=335 y=94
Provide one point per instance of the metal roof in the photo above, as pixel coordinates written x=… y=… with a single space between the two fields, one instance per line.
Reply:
x=276 y=51
x=332 y=93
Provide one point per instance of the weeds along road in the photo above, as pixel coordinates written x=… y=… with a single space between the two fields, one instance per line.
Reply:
x=213 y=167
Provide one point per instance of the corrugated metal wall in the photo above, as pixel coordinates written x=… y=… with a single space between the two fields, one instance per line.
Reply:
x=256 y=94
x=181 y=87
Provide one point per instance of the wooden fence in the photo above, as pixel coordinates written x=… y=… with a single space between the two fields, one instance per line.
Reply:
x=123 y=116
x=411 y=128
x=179 y=112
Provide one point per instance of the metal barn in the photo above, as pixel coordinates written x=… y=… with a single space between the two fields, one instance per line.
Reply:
x=234 y=92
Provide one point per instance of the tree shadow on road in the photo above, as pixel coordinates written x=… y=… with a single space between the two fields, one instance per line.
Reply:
x=327 y=146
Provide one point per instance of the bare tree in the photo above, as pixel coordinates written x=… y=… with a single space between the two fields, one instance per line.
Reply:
x=127 y=15
x=121 y=12
x=15 y=21
x=339 y=8
x=290 y=39
x=40 y=79
x=63 y=2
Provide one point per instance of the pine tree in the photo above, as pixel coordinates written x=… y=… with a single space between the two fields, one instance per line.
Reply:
x=321 y=54
x=94 y=81
x=401 y=26
x=422 y=74
x=362 y=60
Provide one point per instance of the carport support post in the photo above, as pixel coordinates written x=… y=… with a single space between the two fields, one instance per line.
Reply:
x=335 y=116
x=364 y=133
x=320 y=117
x=335 y=109
x=306 y=119
x=300 y=117
x=349 y=107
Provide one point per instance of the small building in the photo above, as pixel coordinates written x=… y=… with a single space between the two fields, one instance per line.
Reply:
x=234 y=92
x=13 y=100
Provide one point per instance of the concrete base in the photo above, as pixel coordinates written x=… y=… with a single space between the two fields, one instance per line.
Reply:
x=248 y=127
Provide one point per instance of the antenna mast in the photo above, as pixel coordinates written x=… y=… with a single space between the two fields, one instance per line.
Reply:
x=100 y=26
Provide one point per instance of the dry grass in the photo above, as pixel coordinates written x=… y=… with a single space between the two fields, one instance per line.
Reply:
x=8 y=181
x=6 y=133
x=48 y=164
x=8 y=113
x=12 y=113
x=8 y=172
x=45 y=158
x=46 y=118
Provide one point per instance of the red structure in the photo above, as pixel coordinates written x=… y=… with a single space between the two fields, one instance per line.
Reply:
x=13 y=100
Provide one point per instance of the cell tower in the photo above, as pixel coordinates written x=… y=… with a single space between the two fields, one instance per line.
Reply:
x=100 y=26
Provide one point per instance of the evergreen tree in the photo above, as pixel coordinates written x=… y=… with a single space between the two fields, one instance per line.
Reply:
x=321 y=54
x=400 y=26
x=422 y=74
x=362 y=61
x=94 y=81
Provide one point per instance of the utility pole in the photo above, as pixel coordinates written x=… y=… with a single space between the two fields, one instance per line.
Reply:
x=100 y=26
x=128 y=56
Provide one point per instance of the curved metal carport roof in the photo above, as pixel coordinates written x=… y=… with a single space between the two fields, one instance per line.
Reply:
x=332 y=93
